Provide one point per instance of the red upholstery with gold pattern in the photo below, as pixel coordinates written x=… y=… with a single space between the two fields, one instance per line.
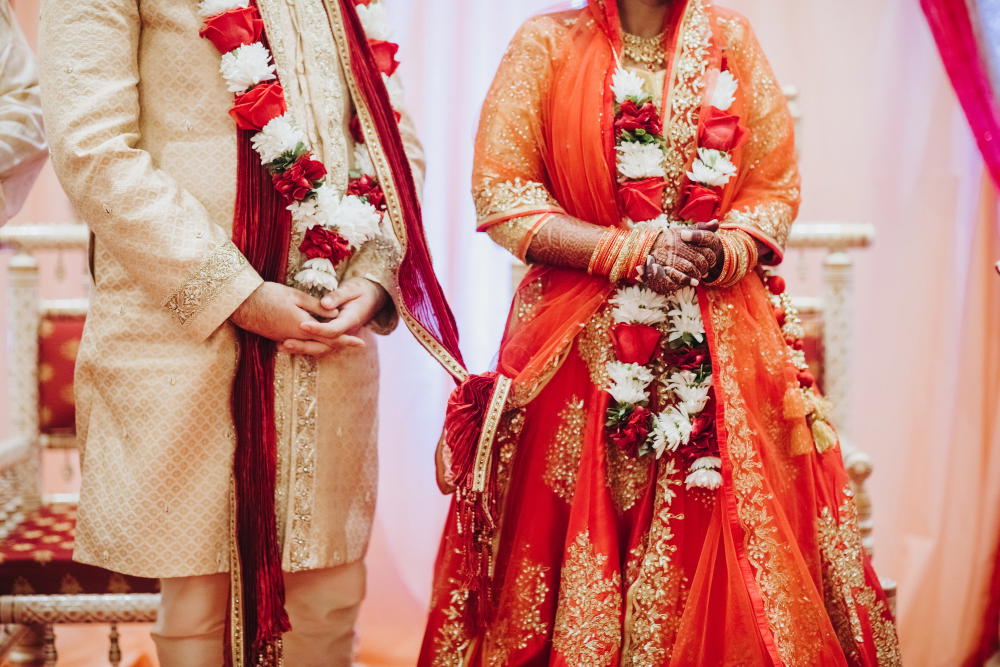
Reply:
x=58 y=341
x=36 y=558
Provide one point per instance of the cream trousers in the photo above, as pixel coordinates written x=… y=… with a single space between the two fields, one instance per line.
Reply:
x=322 y=605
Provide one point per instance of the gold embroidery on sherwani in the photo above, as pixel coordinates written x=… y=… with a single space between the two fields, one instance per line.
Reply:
x=452 y=637
x=562 y=458
x=763 y=550
x=686 y=97
x=222 y=265
x=521 y=619
x=845 y=588
x=301 y=550
x=657 y=587
x=588 y=624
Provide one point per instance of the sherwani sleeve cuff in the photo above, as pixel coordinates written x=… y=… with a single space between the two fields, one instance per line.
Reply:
x=209 y=297
x=376 y=262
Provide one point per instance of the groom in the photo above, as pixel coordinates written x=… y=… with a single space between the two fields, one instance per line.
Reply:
x=240 y=166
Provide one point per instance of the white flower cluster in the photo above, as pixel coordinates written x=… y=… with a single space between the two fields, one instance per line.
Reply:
x=685 y=316
x=636 y=304
x=278 y=137
x=208 y=8
x=375 y=21
x=246 y=66
x=627 y=383
x=351 y=217
x=628 y=85
x=671 y=429
x=705 y=473
x=318 y=274
x=725 y=91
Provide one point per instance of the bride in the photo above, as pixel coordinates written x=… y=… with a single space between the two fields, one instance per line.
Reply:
x=650 y=476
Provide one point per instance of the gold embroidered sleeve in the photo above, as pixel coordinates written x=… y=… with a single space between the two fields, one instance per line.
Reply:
x=517 y=233
x=161 y=233
x=508 y=179
x=767 y=200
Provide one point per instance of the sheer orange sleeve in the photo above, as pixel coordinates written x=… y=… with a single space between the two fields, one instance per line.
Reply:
x=766 y=202
x=508 y=180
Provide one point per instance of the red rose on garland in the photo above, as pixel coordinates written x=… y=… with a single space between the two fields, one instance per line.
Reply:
x=296 y=182
x=632 y=117
x=629 y=435
x=233 y=28
x=320 y=243
x=367 y=187
x=721 y=131
x=703 y=437
x=258 y=106
x=385 y=55
x=642 y=200
x=635 y=343
x=688 y=358
x=699 y=203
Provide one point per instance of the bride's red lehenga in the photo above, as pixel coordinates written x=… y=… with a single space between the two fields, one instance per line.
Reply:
x=604 y=558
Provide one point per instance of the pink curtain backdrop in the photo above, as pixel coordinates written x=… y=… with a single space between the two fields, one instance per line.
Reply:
x=965 y=60
x=884 y=141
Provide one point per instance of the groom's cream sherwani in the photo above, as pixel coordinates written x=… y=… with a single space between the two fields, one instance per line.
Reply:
x=144 y=146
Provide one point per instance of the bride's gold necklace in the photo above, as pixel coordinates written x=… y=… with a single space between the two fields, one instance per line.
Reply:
x=646 y=51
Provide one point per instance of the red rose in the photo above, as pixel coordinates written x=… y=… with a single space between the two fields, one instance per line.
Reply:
x=367 y=187
x=320 y=243
x=642 y=200
x=296 y=182
x=688 y=358
x=699 y=204
x=258 y=106
x=630 y=434
x=233 y=28
x=703 y=437
x=635 y=343
x=632 y=117
x=721 y=131
x=385 y=55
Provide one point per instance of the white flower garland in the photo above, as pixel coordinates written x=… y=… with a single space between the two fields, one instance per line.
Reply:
x=350 y=216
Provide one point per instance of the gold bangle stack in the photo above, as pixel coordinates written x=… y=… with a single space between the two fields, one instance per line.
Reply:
x=607 y=251
x=619 y=254
x=740 y=257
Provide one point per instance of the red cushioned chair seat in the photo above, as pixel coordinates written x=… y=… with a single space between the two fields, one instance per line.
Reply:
x=37 y=558
x=58 y=341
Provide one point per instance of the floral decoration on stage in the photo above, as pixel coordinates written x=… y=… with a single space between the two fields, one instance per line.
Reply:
x=333 y=225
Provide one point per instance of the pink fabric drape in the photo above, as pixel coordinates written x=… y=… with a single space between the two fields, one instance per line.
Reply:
x=966 y=64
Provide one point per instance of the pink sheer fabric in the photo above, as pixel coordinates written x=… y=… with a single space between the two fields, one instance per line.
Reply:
x=963 y=58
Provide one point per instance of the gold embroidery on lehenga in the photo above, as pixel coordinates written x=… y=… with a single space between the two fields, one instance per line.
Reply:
x=562 y=459
x=498 y=199
x=763 y=550
x=686 y=95
x=521 y=619
x=452 y=637
x=627 y=477
x=221 y=266
x=594 y=346
x=528 y=299
x=588 y=624
x=846 y=590
x=657 y=588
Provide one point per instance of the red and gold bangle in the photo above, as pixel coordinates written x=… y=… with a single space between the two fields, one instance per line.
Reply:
x=741 y=256
x=728 y=263
x=607 y=251
x=646 y=239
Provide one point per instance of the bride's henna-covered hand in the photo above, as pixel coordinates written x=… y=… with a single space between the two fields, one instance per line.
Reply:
x=566 y=242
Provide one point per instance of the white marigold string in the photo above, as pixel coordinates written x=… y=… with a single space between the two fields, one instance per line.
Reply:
x=333 y=225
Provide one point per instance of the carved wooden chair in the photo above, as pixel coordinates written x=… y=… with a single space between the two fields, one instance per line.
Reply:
x=40 y=585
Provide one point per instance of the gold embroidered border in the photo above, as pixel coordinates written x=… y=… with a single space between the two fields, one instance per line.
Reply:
x=430 y=343
x=222 y=265
x=658 y=589
x=235 y=584
x=302 y=550
x=760 y=539
x=495 y=200
x=773 y=219
x=686 y=93
x=487 y=438
x=846 y=590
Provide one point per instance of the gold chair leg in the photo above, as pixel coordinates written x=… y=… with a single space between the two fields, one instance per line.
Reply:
x=114 y=650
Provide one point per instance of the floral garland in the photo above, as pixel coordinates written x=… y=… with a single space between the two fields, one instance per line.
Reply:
x=646 y=321
x=333 y=226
